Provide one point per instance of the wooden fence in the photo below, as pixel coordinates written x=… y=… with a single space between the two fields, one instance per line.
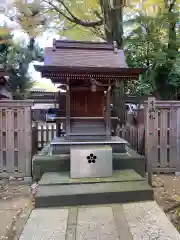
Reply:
x=15 y=138
x=135 y=136
x=158 y=138
x=163 y=135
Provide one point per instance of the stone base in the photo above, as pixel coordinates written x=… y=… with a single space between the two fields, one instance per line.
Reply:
x=62 y=146
x=43 y=163
x=57 y=189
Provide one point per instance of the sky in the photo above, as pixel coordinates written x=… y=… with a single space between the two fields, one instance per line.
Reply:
x=44 y=41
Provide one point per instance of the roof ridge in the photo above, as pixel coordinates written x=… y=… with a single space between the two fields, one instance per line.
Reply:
x=59 y=44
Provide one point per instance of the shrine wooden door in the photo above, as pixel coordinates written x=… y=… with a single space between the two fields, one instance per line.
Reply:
x=87 y=103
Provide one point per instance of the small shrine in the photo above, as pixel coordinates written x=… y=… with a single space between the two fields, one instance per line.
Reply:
x=88 y=72
x=88 y=153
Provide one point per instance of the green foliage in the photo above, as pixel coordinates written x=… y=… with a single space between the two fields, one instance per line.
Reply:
x=5 y=42
x=87 y=11
x=153 y=41
x=153 y=44
x=74 y=19
x=18 y=60
x=77 y=19
x=16 y=57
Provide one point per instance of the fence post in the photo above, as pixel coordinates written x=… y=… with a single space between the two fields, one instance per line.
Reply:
x=150 y=128
x=177 y=173
x=34 y=138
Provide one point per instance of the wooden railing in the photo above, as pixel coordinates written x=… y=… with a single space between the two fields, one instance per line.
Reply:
x=45 y=132
x=135 y=136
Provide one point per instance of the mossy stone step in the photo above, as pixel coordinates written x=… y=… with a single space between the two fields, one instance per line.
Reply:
x=61 y=178
x=91 y=194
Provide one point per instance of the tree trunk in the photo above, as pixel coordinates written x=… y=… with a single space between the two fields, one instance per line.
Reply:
x=113 y=22
x=31 y=43
x=113 y=27
x=119 y=101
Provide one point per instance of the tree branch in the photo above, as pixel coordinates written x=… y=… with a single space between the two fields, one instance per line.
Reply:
x=54 y=7
x=72 y=18
x=98 y=32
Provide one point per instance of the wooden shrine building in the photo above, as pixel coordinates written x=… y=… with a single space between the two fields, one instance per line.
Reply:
x=88 y=166
x=89 y=71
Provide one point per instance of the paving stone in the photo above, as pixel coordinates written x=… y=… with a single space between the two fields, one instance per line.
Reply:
x=121 y=222
x=148 y=222
x=133 y=221
x=72 y=223
x=96 y=223
x=46 y=224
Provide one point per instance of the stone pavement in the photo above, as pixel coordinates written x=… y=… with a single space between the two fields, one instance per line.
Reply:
x=132 y=221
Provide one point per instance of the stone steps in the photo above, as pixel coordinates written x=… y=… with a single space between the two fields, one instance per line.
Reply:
x=90 y=133
x=62 y=191
x=92 y=194
x=98 y=136
x=87 y=130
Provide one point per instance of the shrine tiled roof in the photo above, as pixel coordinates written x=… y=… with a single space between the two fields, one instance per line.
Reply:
x=79 y=60
x=84 y=54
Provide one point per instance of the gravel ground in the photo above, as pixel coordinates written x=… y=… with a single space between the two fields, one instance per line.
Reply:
x=167 y=192
x=15 y=207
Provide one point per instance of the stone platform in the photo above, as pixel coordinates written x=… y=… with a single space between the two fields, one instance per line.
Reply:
x=44 y=162
x=57 y=189
x=62 y=146
x=133 y=221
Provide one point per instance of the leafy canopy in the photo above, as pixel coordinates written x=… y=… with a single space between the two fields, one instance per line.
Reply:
x=16 y=57
x=153 y=43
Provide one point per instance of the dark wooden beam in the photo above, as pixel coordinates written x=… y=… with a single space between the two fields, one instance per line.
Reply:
x=58 y=123
x=67 y=109
x=98 y=88
x=114 y=71
x=108 y=114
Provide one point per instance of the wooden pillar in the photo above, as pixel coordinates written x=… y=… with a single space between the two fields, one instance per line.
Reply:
x=58 y=124
x=150 y=135
x=67 y=110
x=108 y=113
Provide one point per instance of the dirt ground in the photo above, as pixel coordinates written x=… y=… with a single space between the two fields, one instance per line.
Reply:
x=15 y=207
x=166 y=193
x=16 y=203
